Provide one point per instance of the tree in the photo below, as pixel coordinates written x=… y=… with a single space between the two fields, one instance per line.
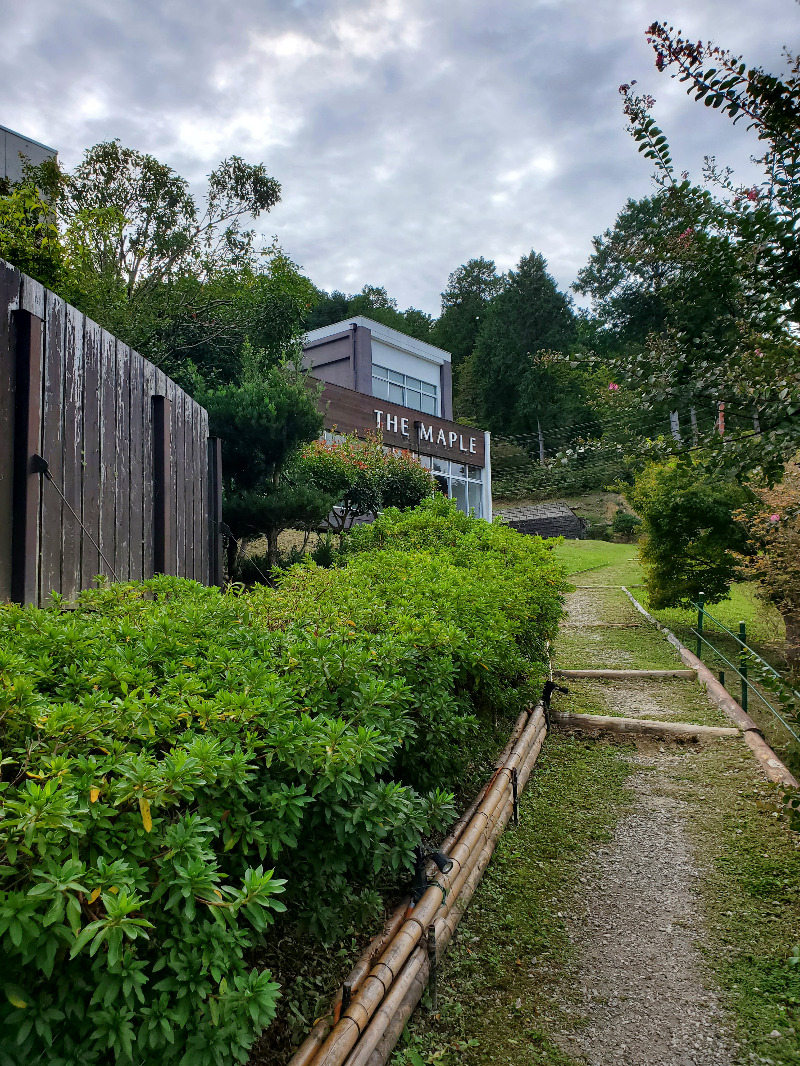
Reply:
x=757 y=372
x=691 y=538
x=263 y=423
x=508 y=382
x=362 y=477
x=372 y=302
x=469 y=290
x=123 y=239
x=774 y=562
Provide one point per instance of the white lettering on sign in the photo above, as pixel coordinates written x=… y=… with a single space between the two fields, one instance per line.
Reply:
x=400 y=424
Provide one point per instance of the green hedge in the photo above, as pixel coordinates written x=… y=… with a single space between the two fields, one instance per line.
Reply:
x=178 y=765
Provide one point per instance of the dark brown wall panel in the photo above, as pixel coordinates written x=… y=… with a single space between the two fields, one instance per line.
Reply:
x=122 y=468
x=137 y=470
x=52 y=512
x=88 y=410
x=92 y=396
x=72 y=475
x=108 y=453
x=9 y=298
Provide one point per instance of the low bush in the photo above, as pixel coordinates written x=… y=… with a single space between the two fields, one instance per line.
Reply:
x=179 y=765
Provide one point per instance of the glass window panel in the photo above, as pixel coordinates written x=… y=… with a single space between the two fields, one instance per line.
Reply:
x=425 y=460
x=428 y=405
x=475 y=473
x=442 y=466
x=396 y=393
x=413 y=383
x=413 y=399
x=380 y=388
x=380 y=372
x=430 y=389
x=441 y=484
x=459 y=470
x=399 y=379
x=459 y=494
x=475 y=494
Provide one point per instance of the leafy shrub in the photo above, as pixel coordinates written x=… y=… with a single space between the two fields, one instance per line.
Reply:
x=362 y=477
x=625 y=524
x=691 y=535
x=181 y=764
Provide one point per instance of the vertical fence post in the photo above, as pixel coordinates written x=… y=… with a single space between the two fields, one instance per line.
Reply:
x=162 y=479
x=743 y=663
x=215 y=576
x=700 y=602
x=27 y=481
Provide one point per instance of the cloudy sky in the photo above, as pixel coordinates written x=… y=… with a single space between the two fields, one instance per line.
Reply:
x=408 y=135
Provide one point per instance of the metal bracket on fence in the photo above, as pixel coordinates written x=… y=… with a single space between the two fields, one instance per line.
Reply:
x=347 y=995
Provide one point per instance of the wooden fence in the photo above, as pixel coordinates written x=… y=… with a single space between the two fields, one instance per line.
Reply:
x=106 y=466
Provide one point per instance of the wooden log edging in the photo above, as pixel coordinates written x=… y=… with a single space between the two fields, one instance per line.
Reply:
x=396 y=972
x=628 y=675
x=775 y=770
x=599 y=723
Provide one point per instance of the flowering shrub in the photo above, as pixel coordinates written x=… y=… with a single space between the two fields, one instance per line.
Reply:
x=180 y=765
x=363 y=477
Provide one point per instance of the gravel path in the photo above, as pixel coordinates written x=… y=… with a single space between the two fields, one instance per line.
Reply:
x=639 y=992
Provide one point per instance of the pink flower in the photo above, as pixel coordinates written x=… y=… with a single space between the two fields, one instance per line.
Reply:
x=774 y=518
x=752 y=194
x=612 y=387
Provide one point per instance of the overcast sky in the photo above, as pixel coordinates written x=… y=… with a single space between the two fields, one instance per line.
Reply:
x=408 y=135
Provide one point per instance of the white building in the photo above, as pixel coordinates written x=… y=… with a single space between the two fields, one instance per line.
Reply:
x=379 y=378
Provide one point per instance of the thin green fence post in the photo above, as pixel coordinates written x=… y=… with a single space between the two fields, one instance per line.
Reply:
x=700 y=600
x=743 y=663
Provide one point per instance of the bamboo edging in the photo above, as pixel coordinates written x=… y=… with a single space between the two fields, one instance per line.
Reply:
x=600 y=723
x=397 y=975
x=316 y=1038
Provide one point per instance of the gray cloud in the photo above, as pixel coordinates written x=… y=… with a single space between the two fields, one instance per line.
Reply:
x=408 y=135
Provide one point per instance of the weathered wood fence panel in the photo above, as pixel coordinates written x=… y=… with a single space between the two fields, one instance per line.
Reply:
x=132 y=483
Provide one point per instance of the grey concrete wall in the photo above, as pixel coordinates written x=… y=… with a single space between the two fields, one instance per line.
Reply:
x=12 y=145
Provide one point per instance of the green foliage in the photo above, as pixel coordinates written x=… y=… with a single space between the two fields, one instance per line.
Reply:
x=372 y=302
x=625 y=524
x=176 y=758
x=753 y=365
x=263 y=423
x=469 y=290
x=690 y=533
x=361 y=477
x=29 y=236
x=510 y=380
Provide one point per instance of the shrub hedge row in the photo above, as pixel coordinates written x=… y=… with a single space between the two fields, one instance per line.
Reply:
x=179 y=765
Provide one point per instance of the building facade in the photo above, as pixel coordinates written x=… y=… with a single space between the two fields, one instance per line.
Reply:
x=377 y=378
x=16 y=150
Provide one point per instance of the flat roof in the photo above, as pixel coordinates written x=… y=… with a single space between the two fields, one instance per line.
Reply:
x=31 y=140
x=385 y=334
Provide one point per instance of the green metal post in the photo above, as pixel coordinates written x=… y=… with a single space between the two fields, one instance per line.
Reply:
x=743 y=663
x=722 y=678
x=700 y=602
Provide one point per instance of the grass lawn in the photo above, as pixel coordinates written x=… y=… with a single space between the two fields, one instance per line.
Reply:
x=597 y=562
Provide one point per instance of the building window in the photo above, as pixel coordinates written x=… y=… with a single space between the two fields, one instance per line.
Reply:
x=459 y=481
x=404 y=390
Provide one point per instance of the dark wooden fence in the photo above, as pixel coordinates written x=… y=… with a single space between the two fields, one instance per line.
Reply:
x=106 y=466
